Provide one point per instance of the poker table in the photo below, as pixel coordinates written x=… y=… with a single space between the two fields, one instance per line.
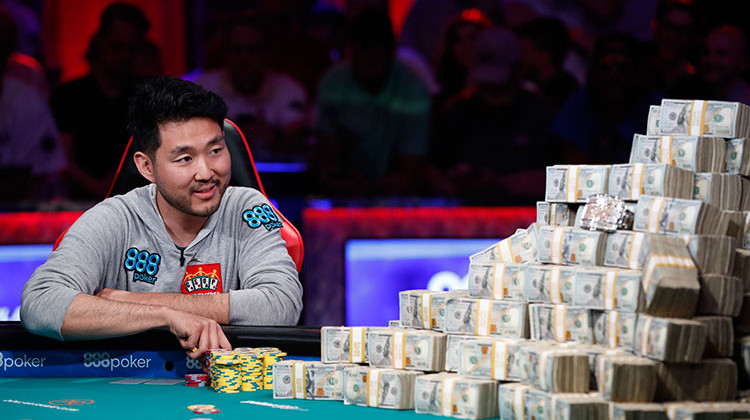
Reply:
x=141 y=376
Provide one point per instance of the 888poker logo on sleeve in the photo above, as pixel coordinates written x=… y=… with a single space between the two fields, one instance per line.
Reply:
x=143 y=264
x=262 y=215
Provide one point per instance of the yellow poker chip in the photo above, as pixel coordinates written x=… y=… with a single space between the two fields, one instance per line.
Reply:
x=201 y=407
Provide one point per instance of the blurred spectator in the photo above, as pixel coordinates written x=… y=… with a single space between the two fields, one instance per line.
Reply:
x=428 y=20
x=597 y=123
x=27 y=26
x=30 y=153
x=372 y=114
x=91 y=111
x=211 y=54
x=457 y=53
x=270 y=108
x=493 y=140
x=544 y=46
x=723 y=63
x=676 y=29
x=147 y=63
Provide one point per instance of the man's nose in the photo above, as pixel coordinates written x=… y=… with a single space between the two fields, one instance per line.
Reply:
x=203 y=169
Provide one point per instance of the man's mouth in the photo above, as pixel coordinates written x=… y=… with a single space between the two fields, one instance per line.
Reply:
x=205 y=193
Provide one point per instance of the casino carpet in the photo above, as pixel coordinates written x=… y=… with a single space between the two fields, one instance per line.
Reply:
x=98 y=398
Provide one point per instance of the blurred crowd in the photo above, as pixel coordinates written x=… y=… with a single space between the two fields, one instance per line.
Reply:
x=471 y=99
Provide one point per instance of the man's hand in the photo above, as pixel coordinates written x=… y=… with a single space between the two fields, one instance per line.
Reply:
x=196 y=333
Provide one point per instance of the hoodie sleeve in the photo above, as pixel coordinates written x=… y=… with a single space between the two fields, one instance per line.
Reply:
x=78 y=265
x=270 y=292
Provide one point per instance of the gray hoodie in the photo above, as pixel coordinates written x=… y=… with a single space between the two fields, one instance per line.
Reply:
x=122 y=243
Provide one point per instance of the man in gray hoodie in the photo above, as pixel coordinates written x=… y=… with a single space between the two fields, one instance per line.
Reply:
x=185 y=253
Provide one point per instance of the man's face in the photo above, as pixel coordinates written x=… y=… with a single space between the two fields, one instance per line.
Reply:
x=191 y=167
x=118 y=49
x=244 y=56
x=723 y=59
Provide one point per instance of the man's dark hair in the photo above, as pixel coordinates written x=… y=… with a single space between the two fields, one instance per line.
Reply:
x=8 y=36
x=370 y=28
x=549 y=35
x=169 y=99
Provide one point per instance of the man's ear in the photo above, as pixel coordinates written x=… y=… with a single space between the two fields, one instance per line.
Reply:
x=145 y=165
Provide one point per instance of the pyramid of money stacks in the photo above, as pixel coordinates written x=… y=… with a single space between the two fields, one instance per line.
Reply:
x=627 y=299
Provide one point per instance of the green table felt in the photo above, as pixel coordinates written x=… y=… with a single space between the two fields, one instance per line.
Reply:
x=98 y=398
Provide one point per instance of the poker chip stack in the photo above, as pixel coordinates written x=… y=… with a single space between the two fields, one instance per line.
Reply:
x=251 y=367
x=197 y=379
x=242 y=369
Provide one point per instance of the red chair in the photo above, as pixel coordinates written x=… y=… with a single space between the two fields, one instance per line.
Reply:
x=244 y=174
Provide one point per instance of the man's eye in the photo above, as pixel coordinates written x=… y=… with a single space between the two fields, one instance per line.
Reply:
x=217 y=150
x=183 y=159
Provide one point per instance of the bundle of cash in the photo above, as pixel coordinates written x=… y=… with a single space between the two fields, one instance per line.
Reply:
x=554 y=214
x=712 y=254
x=704 y=118
x=446 y=394
x=637 y=411
x=571 y=246
x=382 y=388
x=670 y=339
x=706 y=380
x=406 y=349
x=721 y=190
x=486 y=317
x=670 y=279
x=575 y=183
x=720 y=295
x=424 y=309
x=625 y=249
x=496 y=280
x=594 y=352
x=626 y=378
x=554 y=369
x=654 y=113
x=453 y=350
x=737 y=158
x=309 y=380
x=732 y=224
x=676 y=216
x=692 y=153
x=511 y=400
x=578 y=406
x=719 y=335
x=707 y=411
x=344 y=344
x=741 y=267
x=491 y=358
x=606 y=213
x=561 y=323
x=519 y=247
x=745 y=201
x=742 y=358
x=615 y=329
x=628 y=181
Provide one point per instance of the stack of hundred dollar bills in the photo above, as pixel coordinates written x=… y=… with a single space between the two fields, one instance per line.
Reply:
x=562 y=322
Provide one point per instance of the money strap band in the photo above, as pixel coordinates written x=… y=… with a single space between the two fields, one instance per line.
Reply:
x=498 y=281
x=600 y=369
x=571 y=183
x=448 y=385
x=559 y=317
x=645 y=334
x=484 y=311
x=426 y=303
x=636 y=181
x=612 y=318
x=554 y=285
x=635 y=250
x=556 y=246
x=506 y=252
x=398 y=349
x=552 y=214
x=659 y=260
x=373 y=382
x=654 y=214
x=610 y=286
x=298 y=380
x=697 y=114
x=541 y=369
x=356 y=344
x=518 y=402
x=665 y=150
x=500 y=360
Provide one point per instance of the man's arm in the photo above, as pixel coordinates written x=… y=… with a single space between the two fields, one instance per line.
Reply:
x=91 y=317
x=215 y=306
